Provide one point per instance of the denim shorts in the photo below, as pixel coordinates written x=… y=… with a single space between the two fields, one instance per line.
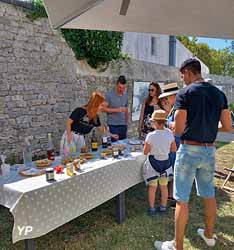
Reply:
x=194 y=163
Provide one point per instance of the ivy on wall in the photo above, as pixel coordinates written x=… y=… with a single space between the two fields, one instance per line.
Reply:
x=96 y=47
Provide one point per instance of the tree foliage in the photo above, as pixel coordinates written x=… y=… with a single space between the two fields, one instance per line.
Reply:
x=220 y=62
x=97 y=47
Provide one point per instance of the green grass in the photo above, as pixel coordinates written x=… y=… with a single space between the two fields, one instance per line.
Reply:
x=98 y=230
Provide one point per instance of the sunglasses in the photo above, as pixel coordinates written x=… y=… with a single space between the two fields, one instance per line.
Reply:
x=151 y=90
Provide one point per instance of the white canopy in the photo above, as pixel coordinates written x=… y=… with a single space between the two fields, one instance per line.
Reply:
x=208 y=18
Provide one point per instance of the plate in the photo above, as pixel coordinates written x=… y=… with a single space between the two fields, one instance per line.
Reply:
x=31 y=172
x=43 y=163
x=107 y=151
x=135 y=142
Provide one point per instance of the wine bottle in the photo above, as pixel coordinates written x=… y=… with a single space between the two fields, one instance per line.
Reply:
x=94 y=142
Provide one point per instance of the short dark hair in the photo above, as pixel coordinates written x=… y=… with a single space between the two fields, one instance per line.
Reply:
x=121 y=80
x=191 y=64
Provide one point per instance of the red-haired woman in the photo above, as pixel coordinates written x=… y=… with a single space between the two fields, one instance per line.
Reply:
x=83 y=119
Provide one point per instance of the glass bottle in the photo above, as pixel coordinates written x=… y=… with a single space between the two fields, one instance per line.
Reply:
x=94 y=142
x=104 y=138
x=50 y=148
x=27 y=154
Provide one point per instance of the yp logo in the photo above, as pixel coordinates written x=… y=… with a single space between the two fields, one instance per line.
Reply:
x=24 y=230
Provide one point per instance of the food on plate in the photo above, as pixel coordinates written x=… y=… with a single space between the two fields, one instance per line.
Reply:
x=43 y=163
x=107 y=151
x=86 y=156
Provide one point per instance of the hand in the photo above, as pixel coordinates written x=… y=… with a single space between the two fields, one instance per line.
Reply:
x=115 y=136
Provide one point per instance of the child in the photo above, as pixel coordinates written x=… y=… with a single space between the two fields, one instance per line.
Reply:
x=157 y=167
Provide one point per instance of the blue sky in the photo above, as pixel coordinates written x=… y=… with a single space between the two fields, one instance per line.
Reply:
x=215 y=43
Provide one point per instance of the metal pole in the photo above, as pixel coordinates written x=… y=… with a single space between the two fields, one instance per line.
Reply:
x=172 y=51
x=120 y=208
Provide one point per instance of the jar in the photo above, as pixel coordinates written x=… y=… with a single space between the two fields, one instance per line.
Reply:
x=49 y=174
x=115 y=152
x=69 y=169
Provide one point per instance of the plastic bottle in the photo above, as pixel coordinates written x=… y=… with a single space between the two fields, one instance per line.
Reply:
x=27 y=154
x=50 y=148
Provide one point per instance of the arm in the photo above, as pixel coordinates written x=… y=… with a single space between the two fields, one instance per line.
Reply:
x=173 y=147
x=114 y=110
x=141 y=118
x=225 y=121
x=146 y=148
x=68 y=128
x=126 y=116
x=102 y=129
x=180 y=120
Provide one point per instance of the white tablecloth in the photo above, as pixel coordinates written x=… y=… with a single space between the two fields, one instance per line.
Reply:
x=39 y=206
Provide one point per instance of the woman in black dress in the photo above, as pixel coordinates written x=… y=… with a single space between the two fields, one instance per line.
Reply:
x=150 y=104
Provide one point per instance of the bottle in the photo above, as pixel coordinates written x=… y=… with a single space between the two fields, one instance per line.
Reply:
x=27 y=154
x=104 y=138
x=94 y=142
x=50 y=148
x=108 y=138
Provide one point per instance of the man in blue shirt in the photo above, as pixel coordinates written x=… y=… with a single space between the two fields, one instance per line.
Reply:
x=117 y=109
x=201 y=110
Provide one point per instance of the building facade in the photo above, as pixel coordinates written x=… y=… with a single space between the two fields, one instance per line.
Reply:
x=154 y=48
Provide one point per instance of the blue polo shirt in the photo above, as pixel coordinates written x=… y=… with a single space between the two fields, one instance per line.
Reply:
x=203 y=103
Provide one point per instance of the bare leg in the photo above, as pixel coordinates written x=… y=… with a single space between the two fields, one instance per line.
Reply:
x=181 y=219
x=170 y=188
x=151 y=195
x=210 y=214
x=164 y=195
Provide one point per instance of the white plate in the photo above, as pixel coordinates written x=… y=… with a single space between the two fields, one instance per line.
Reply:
x=135 y=142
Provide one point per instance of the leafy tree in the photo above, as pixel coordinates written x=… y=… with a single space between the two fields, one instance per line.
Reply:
x=220 y=62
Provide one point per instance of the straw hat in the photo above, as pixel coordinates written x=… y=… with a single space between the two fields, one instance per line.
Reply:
x=159 y=115
x=169 y=89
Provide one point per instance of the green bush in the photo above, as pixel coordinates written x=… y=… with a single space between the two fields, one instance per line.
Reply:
x=97 y=47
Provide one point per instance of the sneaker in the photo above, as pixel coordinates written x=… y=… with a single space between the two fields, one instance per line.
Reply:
x=164 y=245
x=170 y=198
x=162 y=209
x=151 y=211
x=209 y=242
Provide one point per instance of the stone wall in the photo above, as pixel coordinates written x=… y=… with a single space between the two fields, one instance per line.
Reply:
x=41 y=82
x=38 y=81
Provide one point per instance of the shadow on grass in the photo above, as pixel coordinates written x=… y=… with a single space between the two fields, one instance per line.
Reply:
x=224 y=228
x=219 y=144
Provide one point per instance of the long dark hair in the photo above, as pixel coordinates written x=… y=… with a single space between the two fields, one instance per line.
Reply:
x=158 y=92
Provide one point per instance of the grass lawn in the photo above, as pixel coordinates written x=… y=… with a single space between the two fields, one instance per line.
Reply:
x=97 y=229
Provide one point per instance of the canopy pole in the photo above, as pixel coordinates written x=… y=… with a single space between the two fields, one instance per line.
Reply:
x=172 y=51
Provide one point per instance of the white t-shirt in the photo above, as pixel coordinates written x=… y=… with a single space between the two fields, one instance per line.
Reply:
x=160 y=142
